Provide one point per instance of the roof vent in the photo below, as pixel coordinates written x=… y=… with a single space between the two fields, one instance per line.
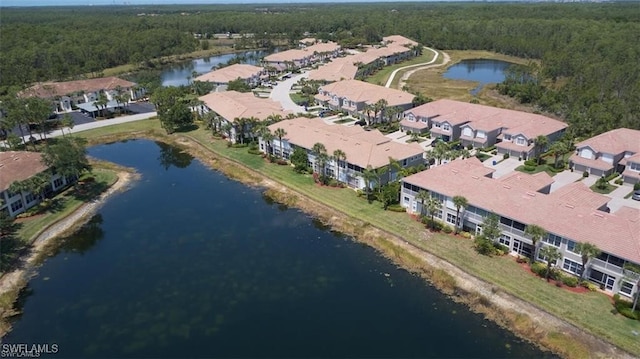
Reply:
x=569 y=206
x=598 y=215
x=475 y=177
x=454 y=170
x=506 y=186
x=529 y=193
x=16 y=158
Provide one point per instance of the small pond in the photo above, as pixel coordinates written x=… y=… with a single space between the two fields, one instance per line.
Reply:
x=484 y=71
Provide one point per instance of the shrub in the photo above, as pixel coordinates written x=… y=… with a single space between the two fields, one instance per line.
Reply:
x=530 y=163
x=619 y=182
x=570 y=281
x=585 y=174
x=447 y=229
x=282 y=162
x=539 y=268
x=239 y=145
x=469 y=147
x=505 y=156
x=592 y=287
x=466 y=235
x=396 y=208
x=612 y=176
x=494 y=152
x=360 y=193
x=636 y=186
x=624 y=307
x=501 y=249
x=522 y=260
x=435 y=224
x=529 y=168
x=484 y=245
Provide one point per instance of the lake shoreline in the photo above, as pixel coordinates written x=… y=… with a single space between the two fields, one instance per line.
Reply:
x=525 y=320
x=13 y=282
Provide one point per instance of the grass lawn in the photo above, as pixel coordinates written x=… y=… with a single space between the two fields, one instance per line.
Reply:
x=66 y=202
x=344 y=120
x=610 y=188
x=592 y=311
x=381 y=77
x=298 y=98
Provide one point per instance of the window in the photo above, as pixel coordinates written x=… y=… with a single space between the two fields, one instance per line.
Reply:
x=635 y=166
x=446 y=127
x=438 y=214
x=506 y=240
x=406 y=199
x=552 y=239
x=30 y=198
x=451 y=218
x=57 y=182
x=507 y=137
x=571 y=266
x=16 y=206
x=571 y=246
x=521 y=141
x=481 y=134
x=626 y=288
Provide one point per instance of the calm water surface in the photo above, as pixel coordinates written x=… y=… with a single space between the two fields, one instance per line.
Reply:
x=180 y=74
x=483 y=71
x=188 y=263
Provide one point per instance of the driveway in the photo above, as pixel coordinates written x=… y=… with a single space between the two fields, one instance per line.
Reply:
x=502 y=168
x=280 y=93
x=564 y=178
x=618 y=200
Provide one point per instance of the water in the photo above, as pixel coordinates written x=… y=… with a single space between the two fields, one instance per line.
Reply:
x=180 y=74
x=188 y=263
x=483 y=71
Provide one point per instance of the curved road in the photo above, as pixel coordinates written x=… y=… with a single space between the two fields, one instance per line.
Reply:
x=280 y=93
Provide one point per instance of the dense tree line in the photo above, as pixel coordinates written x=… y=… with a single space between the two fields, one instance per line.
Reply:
x=588 y=71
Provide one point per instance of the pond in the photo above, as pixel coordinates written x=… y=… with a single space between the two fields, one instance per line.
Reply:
x=188 y=263
x=484 y=71
x=181 y=74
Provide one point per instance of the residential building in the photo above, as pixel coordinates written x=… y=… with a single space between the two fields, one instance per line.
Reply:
x=247 y=73
x=512 y=132
x=355 y=96
x=17 y=166
x=71 y=95
x=362 y=148
x=294 y=59
x=229 y=106
x=609 y=152
x=570 y=215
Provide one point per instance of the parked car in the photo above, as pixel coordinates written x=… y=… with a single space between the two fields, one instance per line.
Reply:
x=361 y=123
x=636 y=195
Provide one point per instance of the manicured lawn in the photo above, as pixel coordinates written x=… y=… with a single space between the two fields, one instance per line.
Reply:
x=344 y=120
x=381 y=77
x=298 y=98
x=592 y=311
x=610 y=188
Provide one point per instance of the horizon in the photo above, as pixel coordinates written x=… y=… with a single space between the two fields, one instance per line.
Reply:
x=62 y=3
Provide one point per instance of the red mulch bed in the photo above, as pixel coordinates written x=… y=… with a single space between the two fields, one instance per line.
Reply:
x=579 y=289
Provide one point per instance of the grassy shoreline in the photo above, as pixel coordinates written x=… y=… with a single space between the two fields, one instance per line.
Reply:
x=343 y=211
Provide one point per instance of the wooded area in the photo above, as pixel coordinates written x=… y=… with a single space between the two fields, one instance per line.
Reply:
x=589 y=72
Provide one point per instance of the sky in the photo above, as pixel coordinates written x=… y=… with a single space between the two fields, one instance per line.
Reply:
x=164 y=2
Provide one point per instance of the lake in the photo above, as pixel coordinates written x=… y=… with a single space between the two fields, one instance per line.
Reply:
x=180 y=74
x=188 y=263
x=484 y=71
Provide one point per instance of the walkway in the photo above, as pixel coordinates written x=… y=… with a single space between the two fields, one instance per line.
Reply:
x=280 y=93
x=422 y=66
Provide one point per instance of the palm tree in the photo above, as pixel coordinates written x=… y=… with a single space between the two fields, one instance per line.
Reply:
x=394 y=165
x=267 y=137
x=536 y=233
x=338 y=156
x=321 y=157
x=280 y=133
x=541 y=143
x=369 y=175
x=587 y=251
x=551 y=254
x=422 y=196
x=433 y=205
x=558 y=149
x=440 y=151
x=241 y=124
x=460 y=202
x=380 y=107
x=632 y=274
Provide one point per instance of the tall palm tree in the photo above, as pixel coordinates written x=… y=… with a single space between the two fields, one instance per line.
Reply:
x=433 y=205
x=632 y=274
x=338 y=156
x=536 y=233
x=461 y=203
x=422 y=196
x=369 y=175
x=394 y=165
x=587 y=251
x=267 y=137
x=280 y=133
x=541 y=143
x=321 y=156
x=440 y=151
x=551 y=254
x=558 y=149
x=380 y=107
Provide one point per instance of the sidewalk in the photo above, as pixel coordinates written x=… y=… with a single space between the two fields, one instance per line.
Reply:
x=280 y=93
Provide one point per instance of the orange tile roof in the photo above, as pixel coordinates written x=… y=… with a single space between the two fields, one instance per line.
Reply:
x=399 y=40
x=597 y=164
x=614 y=142
x=571 y=211
x=341 y=68
x=488 y=118
x=363 y=148
x=19 y=166
x=53 y=89
x=231 y=73
x=534 y=182
x=231 y=105
x=360 y=91
x=300 y=54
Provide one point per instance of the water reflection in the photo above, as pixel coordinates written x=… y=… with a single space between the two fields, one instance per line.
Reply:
x=173 y=156
x=483 y=71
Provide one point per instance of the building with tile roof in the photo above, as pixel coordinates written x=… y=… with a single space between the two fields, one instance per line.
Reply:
x=512 y=132
x=362 y=148
x=229 y=106
x=293 y=59
x=18 y=166
x=67 y=95
x=247 y=73
x=613 y=151
x=572 y=214
x=355 y=96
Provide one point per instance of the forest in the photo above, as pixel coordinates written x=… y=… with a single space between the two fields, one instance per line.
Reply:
x=588 y=70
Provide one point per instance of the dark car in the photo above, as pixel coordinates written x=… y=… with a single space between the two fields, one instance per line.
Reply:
x=361 y=123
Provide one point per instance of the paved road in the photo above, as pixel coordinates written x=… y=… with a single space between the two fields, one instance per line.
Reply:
x=393 y=74
x=280 y=93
